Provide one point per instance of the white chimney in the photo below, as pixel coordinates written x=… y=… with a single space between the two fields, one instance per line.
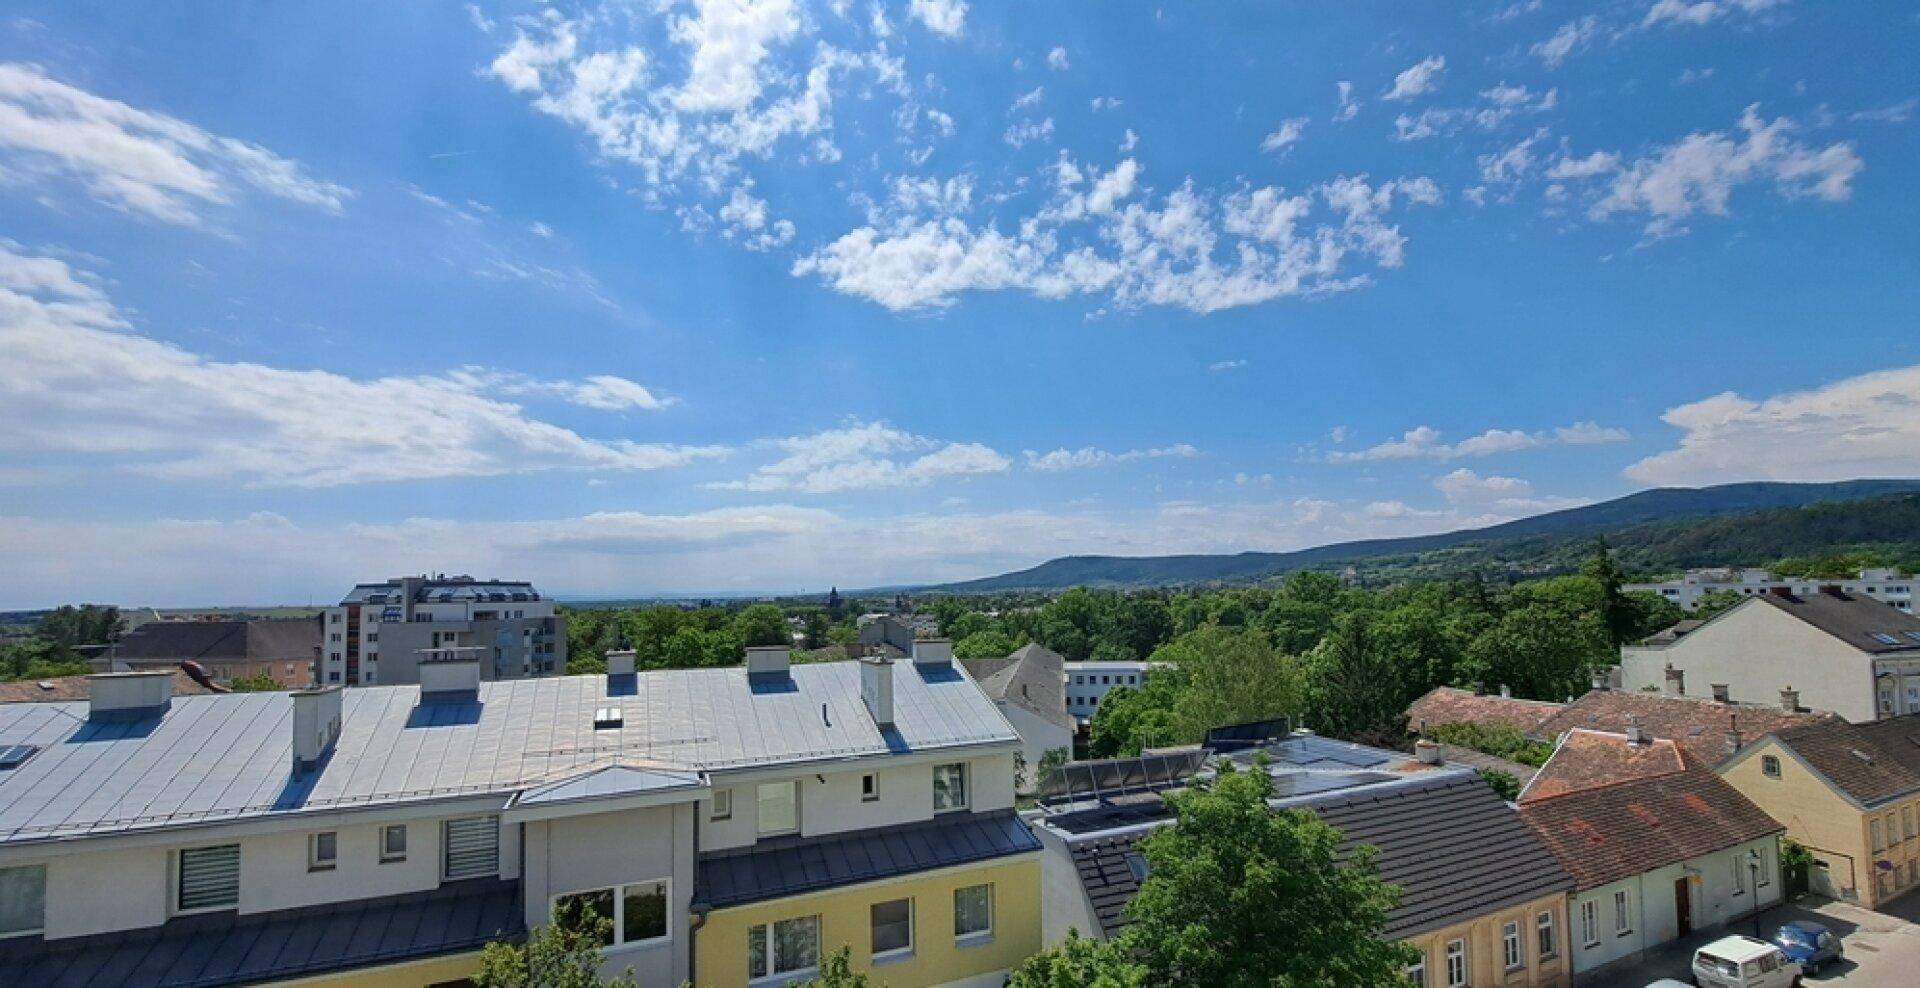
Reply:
x=930 y=653
x=1506 y=692
x=316 y=725
x=120 y=696
x=450 y=673
x=620 y=661
x=876 y=689
x=768 y=660
x=1789 y=699
x=1428 y=752
x=1600 y=679
x=1634 y=734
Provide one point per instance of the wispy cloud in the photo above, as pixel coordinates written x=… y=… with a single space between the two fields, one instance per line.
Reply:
x=866 y=456
x=1419 y=78
x=1089 y=456
x=1424 y=443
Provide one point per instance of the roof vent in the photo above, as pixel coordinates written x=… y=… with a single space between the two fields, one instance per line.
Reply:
x=769 y=660
x=121 y=696
x=606 y=718
x=13 y=756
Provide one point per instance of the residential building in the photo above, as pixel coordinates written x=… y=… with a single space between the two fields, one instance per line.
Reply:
x=1028 y=688
x=1889 y=586
x=1850 y=794
x=378 y=633
x=1481 y=896
x=1087 y=682
x=68 y=688
x=282 y=649
x=1838 y=651
x=736 y=823
x=1658 y=845
x=879 y=632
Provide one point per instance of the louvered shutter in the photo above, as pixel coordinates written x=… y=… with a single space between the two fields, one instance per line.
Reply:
x=210 y=877
x=473 y=847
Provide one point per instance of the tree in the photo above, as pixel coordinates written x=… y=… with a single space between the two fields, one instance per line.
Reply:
x=762 y=624
x=564 y=953
x=263 y=683
x=1239 y=894
x=1503 y=783
x=1079 y=962
x=836 y=971
x=1353 y=684
x=1617 y=614
x=88 y=624
x=38 y=658
x=987 y=644
x=815 y=630
x=1229 y=676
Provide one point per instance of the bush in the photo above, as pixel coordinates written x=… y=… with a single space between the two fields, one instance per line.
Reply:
x=1498 y=740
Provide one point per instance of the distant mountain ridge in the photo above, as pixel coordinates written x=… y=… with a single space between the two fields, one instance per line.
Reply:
x=1639 y=522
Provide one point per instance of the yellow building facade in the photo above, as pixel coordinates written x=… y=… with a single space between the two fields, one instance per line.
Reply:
x=451 y=969
x=1523 y=946
x=846 y=916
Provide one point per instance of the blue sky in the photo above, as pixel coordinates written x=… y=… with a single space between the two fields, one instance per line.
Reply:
x=759 y=296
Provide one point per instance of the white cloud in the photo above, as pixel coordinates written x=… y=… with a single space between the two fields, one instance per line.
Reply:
x=1348 y=106
x=1513 y=164
x=1421 y=77
x=1226 y=365
x=866 y=456
x=1702 y=12
x=944 y=17
x=147 y=164
x=1129 y=141
x=1100 y=235
x=1284 y=137
x=1089 y=456
x=1424 y=443
x=1698 y=173
x=1570 y=38
x=1026 y=131
x=746 y=219
x=1690 y=76
x=540 y=230
x=1502 y=497
x=1597 y=163
x=604 y=392
x=1497 y=105
x=1894 y=113
x=1028 y=100
x=78 y=381
x=1865 y=426
x=1057 y=59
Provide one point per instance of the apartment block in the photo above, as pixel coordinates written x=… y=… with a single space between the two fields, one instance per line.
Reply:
x=378 y=632
x=1088 y=682
x=735 y=824
x=1889 y=586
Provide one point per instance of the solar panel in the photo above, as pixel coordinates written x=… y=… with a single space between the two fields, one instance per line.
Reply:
x=1097 y=778
x=1310 y=783
x=1885 y=639
x=15 y=755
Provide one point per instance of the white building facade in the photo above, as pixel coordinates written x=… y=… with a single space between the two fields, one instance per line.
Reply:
x=1889 y=586
x=1620 y=920
x=376 y=634
x=1087 y=682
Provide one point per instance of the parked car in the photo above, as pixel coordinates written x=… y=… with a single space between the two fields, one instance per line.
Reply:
x=1668 y=983
x=1810 y=944
x=1743 y=962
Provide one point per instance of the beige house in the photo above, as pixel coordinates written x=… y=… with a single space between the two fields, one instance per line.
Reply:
x=1833 y=650
x=1850 y=793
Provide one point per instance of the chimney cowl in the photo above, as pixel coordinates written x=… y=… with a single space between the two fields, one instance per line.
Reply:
x=1635 y=735
x=1600 y=680
x=124 y=696
x=1506 y=692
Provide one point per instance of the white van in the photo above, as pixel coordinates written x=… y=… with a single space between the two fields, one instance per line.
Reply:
x=1743 y=962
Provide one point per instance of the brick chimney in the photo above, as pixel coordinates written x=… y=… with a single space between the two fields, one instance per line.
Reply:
x=1789 y=699
x=1635 y=736
x=1676 y=681
x=1722 y=693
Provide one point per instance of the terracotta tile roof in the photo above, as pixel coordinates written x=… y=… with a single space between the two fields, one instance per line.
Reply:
x=1584 y=759
x=1870 y=762
x=1704 y=727
x=1447 y=705
x=75 y=688
x=1610 y=832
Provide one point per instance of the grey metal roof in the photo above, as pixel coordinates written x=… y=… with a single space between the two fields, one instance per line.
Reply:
x=220 y=757
x=612 y=781
x=776 y=869
x=210 y=950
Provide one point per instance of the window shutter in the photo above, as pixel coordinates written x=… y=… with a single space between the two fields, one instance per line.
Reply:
x=210 y=877
x=473 y=847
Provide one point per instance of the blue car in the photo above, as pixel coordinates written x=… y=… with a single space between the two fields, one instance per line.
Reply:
x=1811 y=944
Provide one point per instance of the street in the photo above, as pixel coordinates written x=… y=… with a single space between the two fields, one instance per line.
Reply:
x=1882 y=948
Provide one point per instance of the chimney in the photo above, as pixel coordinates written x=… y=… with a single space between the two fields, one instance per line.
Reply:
x=1722 y=693
x=932 y=653
x=316 y=725
x=1506 y=692
x=768 y=660
x=1833 y=590
x=1789 y=699
x=1479 y=688
x=1676 y=681
x=876 y=689
x=1600 y=680
x=1635 y=736
x=620 y=661
x=1733 y=742
x=450 y=675
x=124 y=696
x=1428 y=752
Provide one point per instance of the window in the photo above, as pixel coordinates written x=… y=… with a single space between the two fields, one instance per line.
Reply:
x=1760 y=870
x=723 y=804
x=1543 y=927
x=1873 y=829
x=784 y=949
x=323 y=850
x=1137 y=866
x=777 y=808
x=1739 y=874
x=472 y=847
x=1906 y=821
x=1510 y=946
x=1589 y=924
x=892 y=928
x=1417 y=972
x=1622 y=919
x=1456 y=964
x=580 y=912
x=1770 y=766
x=973 y=913
x=636 y=913
x=209 y=878
x=950 y=787
x=23 y=900
x=869 y=787
x=393 y=843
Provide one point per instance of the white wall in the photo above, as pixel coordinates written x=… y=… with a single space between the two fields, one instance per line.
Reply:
x=1063 y=900
x=274 y=875
x=1757 y=650
x=834 y=806
x=1653 y=905
x=104 y=891
x=1084 y=688
x=580 y=853
x=1038 y=736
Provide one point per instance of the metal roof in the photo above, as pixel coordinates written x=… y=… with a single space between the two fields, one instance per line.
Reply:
x=780 y=868
x=212 y=758
x=217 y=949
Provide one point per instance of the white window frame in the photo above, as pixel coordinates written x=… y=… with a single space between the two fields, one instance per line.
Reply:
x=317 y=861
x=1456 y=959
x=1906 y=821
x=387 y=854
x=793 y=792
x=619 y=917
x=771 y=976
x=180 y=877
x=1513 y=949
x=1590 y=922
x=1622 y=913
x=1770 y=766
x=722 y=805
x=1417 y=971
x=41 y=871
x=894 y=953
x=971 y=937
x=966 y=785
x=870 y=787
x=1547 y=939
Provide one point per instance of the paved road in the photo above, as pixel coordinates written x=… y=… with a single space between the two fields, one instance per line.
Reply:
x=1882 y=948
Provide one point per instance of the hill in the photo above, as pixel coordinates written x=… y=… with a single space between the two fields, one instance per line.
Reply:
x=1656 y=531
